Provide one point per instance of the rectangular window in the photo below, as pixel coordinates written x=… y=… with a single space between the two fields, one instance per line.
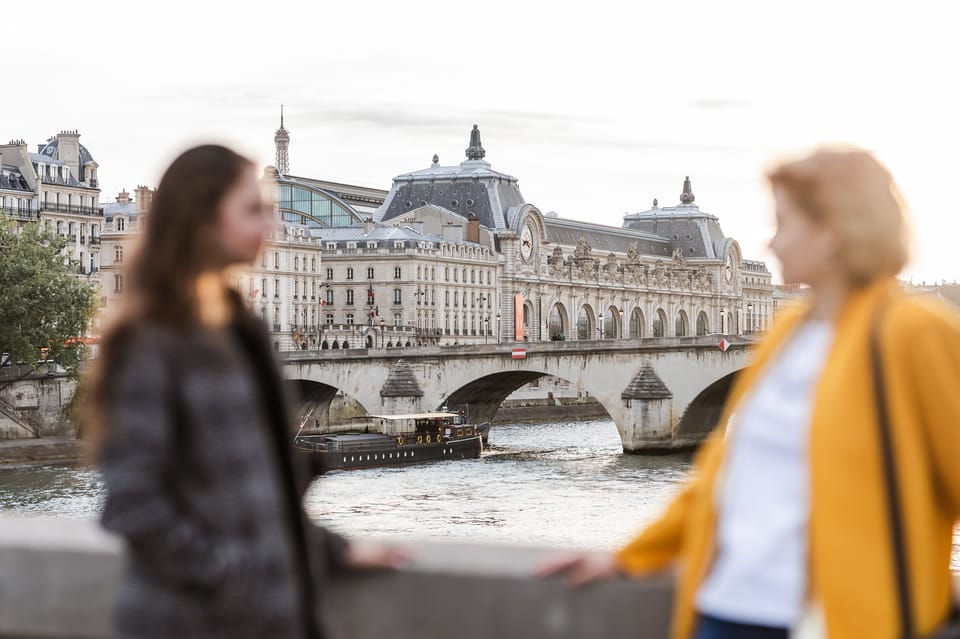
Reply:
x=117 y=253
x=396 y=273
x=263 y=259
x=296 y=289
x=369 y=273
x=350 y=273
x=329 y=318
x=350 y=296
x=276 y=288
x=329 y=273
x=329 y=297
x=313 y=265
x=263 y=287
x=276 y=260
x=446 y=295
x=349 y=318
x=397 y=296
x=118 y=283
x=397 y=319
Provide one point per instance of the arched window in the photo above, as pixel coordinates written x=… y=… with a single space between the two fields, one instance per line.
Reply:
x=659 y=323
x=585 y=322
x=703 y=325
x=636 y=324
x=682 y=325
x=558 y=322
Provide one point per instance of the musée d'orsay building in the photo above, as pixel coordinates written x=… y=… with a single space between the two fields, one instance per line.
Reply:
x=455 y=254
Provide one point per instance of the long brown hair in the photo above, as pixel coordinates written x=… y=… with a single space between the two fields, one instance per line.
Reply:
x=174 y=250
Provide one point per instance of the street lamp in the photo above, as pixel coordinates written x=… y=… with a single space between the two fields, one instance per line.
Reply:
x=498 y=327
x=601 y=325
x=383 y=341
x=621 y=323
x=486 y=329
x=723 y=323
x=750 y=318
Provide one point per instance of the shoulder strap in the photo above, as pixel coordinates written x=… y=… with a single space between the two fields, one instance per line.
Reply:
x=891 y=484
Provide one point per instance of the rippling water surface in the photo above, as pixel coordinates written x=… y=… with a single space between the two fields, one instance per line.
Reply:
x=563 y=484
x=547 y=484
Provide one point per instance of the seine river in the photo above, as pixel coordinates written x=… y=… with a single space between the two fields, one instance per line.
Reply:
x=562 y=484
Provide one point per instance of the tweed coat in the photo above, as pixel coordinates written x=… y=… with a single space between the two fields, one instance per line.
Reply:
x=203 y=485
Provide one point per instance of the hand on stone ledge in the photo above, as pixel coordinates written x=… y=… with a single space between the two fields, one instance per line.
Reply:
x=369 y=555
x=581 y=569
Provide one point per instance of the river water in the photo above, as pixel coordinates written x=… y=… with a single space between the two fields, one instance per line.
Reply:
x=562 y=484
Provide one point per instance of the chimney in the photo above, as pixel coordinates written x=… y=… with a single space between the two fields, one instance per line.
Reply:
x=473 y=229
x=68 y=151
x=143 y=196
x=453 y=233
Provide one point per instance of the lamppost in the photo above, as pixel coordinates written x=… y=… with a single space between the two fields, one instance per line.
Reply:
x=750 y=318
x=486 y=329
x=621 y=323
x=723 y=320
x=383 y=340
x=601 y=325
x=498 y=327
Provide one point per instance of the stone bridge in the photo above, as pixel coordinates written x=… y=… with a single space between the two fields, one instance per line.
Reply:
x=662 y=394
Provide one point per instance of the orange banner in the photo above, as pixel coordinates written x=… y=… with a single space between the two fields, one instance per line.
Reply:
x=518 y=316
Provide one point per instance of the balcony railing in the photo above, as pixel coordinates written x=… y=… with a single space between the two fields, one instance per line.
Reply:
x=19 y=213
x=71 y=208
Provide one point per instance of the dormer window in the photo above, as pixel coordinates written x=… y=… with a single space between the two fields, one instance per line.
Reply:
x=351 y=245
x=398 y=244
x=331 y=246
x=121 y=224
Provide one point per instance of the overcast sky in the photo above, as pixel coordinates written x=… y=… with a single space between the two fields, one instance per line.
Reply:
x=597 y=108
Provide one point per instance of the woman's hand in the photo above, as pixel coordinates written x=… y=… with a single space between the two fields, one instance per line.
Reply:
x=371 y=555
x=582 y=568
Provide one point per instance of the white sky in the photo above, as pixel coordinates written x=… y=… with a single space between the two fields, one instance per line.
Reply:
x=596 y=107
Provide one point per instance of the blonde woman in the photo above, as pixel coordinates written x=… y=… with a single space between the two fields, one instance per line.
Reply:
x=785 y=523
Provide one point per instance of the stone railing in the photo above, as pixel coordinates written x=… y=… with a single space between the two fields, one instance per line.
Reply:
x=58 y=579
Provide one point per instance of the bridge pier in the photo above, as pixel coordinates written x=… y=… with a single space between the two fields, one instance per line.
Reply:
x=646 y=425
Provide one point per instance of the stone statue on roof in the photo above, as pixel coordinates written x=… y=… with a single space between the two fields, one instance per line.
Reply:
x=678 y=259
x=583 y=248
x=633 y=253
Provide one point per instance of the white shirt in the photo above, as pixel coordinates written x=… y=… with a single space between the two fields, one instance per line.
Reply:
x=759 y=575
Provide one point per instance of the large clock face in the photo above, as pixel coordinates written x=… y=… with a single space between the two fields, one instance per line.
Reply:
x=526 y=243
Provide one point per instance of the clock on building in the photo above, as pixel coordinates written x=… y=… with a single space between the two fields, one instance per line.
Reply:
x=526 y=243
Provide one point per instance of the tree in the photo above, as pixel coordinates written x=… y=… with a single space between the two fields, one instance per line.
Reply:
x=44 y=307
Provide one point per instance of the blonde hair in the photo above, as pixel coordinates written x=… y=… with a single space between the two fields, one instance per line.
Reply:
x=852 y=193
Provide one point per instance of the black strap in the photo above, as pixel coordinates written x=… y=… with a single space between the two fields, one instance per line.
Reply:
x=890 y=482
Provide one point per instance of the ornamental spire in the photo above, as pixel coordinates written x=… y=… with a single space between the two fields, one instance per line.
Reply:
x=687 y=196
x=475 y=151
x=282 y=142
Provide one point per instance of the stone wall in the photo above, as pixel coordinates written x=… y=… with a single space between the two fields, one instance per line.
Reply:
x=58 y=579
x=32 y=405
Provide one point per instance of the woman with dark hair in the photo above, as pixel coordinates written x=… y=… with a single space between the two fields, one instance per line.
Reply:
x=828 y=508
x=187 y=406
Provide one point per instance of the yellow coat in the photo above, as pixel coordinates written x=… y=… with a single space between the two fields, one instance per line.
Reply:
x=850 y=557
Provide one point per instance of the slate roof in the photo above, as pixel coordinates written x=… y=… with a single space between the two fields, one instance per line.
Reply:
x=469 y=188
x=646 y=385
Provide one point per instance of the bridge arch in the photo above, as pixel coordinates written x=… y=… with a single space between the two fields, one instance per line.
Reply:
x=314 y=399
x=481 y=397
x=703 y=414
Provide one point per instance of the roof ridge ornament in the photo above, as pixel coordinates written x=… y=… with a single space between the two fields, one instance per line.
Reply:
x=436 y=161
x=475 y=151
x=687 y=196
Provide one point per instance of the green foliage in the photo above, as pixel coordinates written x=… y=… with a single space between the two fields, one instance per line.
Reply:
x=44 y=306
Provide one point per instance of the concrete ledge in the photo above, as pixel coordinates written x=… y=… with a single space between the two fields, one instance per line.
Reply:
x=58 y=578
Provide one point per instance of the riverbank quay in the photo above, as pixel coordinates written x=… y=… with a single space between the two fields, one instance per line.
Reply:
x=60 y=576
x=42 y=450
